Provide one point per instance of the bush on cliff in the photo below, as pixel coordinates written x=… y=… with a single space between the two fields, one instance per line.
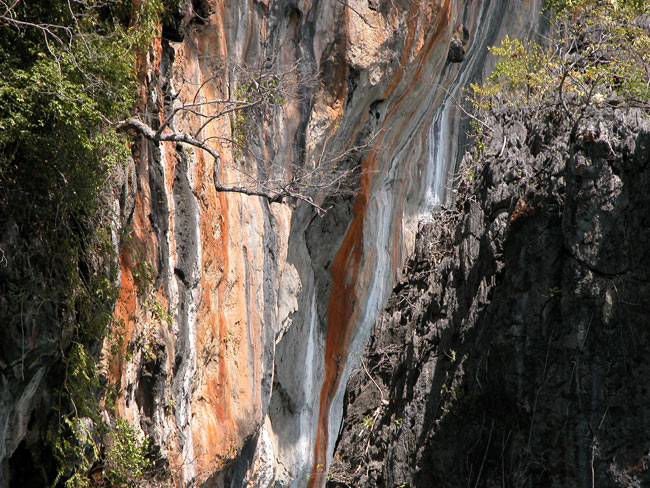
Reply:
x=598 y=53
x=66 y=69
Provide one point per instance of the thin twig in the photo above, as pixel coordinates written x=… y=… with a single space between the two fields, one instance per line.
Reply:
x=383 y=399
x=478 y=476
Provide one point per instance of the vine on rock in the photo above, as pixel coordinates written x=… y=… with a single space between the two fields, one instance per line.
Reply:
x=67 y=68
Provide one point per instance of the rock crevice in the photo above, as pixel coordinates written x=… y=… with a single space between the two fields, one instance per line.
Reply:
x=512 y=352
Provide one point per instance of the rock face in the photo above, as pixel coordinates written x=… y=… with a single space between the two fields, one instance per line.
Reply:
x=514 y=353
x=239 y=320
x=257 y=289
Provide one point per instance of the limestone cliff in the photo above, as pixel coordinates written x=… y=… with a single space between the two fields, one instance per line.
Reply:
x=514 y=353
x=239 y=320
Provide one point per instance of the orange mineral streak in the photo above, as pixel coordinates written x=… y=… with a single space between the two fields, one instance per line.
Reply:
x=345 y=270
x=212 y=419
x=210 y=406
x=225 y=400
x=125 y=309
x=140 y=247
x=348 y=261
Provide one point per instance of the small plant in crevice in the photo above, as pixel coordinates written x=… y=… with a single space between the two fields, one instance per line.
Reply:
x=367 y=423
x=452 y=397
x=161 y=315
x=146 y=345
x=258 y=92
x=320 y=468
x=143 y=275
x=553 y=292
x=116 y=345
x=231 y=341
x=451 y=355
x=171 y=404
x=127 y=459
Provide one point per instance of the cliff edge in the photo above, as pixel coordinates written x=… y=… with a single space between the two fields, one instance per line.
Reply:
x=514 y=353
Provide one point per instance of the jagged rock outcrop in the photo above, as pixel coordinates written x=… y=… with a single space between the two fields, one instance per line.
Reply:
x=258 y=288
x=239 y=320
x=514 y=351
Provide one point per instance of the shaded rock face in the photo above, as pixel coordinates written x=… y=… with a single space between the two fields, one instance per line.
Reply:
x=457 y=44
x=515 y=351
x=269 y=300
x=233 y=357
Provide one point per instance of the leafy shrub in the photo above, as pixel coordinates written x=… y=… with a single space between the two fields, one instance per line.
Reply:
x=560 y=6
x=521 y=70
x=126 y=459
x=66 y=70
x=598 y=49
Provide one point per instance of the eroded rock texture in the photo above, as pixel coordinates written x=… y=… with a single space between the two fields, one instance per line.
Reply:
x=515 y=352
x=269 y=303
x=239 y=320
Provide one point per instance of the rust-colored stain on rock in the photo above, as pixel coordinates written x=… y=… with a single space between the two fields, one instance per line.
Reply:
x=124 y=317
x=348 y=261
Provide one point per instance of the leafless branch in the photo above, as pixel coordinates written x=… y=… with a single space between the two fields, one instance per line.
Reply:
x=252 y=95
x=256 y=94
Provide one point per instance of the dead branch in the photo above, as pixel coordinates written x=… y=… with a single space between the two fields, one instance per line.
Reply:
x=256 y=94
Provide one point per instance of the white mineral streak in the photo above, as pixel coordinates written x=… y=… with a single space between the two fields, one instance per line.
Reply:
x=443 y=136
x=307 y=431
x=378 y=242
x=300 y=452
x=270 y=284
x=444 y=132
x=188 y=307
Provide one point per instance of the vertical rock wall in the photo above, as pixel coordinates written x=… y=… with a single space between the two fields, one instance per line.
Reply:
x=269 y=304
x=239 y=320
x=512 y=353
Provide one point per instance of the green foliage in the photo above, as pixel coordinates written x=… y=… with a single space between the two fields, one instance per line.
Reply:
x=454 y=396
x=256 y=93
x=160 y=314
x=143 y=275
x=241 y=127
x=147 y=343
x=451 y=355
x=65 y=73
x=561 y=6
x=116 y=343
x=597 y=49
x=476 y=131
x=73 y=438
x=66 y=70
x=367 y=422
x=522 y=70
x=127 y=458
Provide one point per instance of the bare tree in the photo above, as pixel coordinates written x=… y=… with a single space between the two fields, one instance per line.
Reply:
x=255 y=94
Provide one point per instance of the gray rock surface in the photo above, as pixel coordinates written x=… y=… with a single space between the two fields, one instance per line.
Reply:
x=225 y=398
x=514 y=353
